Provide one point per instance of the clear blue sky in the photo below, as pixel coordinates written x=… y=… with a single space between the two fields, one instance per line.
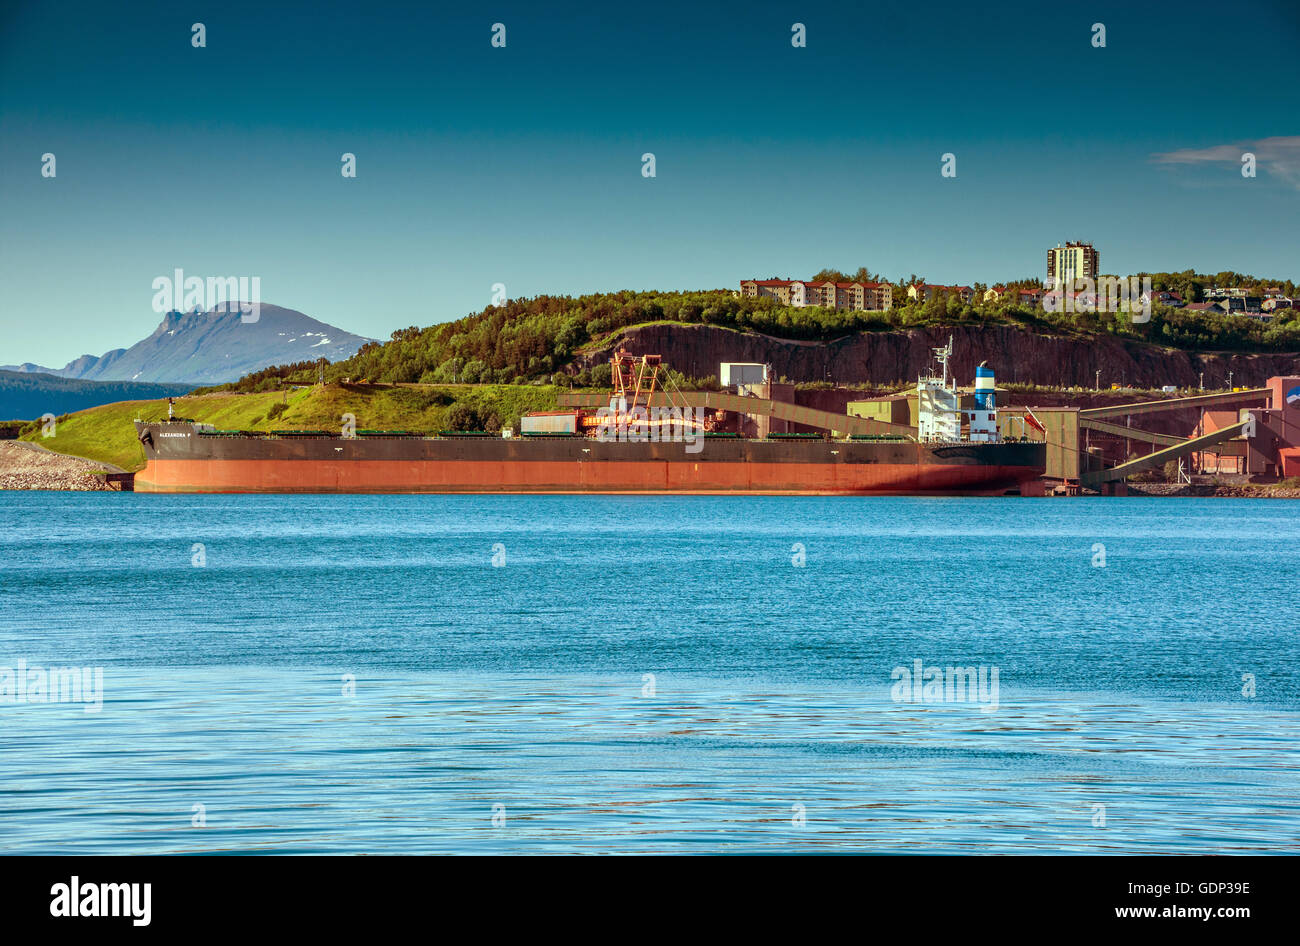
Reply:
x=522 y=165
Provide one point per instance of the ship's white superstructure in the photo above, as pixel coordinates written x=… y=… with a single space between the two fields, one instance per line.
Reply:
x=939 y=411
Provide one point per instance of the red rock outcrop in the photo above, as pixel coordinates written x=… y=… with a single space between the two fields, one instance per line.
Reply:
x=1017 y=355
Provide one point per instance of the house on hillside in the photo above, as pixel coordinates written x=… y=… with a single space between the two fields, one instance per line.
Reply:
x=1030 y=298
x=924 y=292
x=849 y=296
x=1162 y=297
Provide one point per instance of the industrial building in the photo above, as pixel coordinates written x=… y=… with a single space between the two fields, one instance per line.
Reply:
x=1268 y=447
x=1253 y=433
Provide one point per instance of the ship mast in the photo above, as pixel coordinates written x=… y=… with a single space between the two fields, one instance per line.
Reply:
x=942 y=355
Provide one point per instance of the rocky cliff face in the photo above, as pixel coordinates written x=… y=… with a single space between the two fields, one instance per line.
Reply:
x=1015 y=354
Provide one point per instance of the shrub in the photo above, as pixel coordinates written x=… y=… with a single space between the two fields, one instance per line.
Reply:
x=462 y=417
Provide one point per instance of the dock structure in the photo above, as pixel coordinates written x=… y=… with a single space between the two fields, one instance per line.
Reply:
x=1128 y=433
x=1262 y=424
x=763 y=407
x=1184 y=448
x=120 y=481
x=1260 y=427
x=1255 y=396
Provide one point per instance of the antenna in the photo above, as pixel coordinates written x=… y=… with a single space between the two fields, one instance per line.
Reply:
x=942 y=355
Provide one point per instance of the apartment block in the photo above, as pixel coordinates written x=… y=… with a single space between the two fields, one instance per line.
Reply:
x=852 y=296
x=1072 y=261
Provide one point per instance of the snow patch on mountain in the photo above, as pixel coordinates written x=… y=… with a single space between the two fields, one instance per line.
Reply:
x=213 y=347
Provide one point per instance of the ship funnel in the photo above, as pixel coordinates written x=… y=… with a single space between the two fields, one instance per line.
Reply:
x=984 y=417
x=985 y=397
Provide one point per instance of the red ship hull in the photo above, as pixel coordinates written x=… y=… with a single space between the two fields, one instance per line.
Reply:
x=216 y=464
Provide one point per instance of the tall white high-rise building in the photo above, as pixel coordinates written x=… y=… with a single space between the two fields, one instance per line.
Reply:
x=1070 y=262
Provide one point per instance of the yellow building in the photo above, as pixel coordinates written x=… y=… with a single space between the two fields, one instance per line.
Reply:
x=924 y=292
x=1070 y=262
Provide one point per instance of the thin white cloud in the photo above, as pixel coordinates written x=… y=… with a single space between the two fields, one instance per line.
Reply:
x=1280 y=156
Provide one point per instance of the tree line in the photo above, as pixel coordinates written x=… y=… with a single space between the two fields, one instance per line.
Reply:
x=529 y=340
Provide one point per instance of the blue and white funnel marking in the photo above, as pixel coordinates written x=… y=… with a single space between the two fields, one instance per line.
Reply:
x=985 y=398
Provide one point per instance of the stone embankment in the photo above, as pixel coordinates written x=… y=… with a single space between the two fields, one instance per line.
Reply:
x=27 y=466
x=1233 y=490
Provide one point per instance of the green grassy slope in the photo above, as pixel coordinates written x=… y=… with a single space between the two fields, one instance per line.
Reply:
x=106 y=434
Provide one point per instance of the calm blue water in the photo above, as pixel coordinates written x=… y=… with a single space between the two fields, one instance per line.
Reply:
x=522 y=689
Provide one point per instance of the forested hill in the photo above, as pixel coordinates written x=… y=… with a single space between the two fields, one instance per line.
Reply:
x=26 y=395
x=531 y=339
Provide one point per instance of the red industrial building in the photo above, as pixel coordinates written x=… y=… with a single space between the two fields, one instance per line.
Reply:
x=1272 y=449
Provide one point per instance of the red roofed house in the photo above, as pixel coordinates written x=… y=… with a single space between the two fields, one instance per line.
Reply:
x=1057 y=300
x=926 y=291
x=1161 y=296
x=1029 y=297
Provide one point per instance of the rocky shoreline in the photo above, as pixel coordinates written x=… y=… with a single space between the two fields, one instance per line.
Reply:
x=1235 y=491
x=28 y=466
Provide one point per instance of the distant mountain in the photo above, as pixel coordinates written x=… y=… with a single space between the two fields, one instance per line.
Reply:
x=212 y=347
x=26 y=395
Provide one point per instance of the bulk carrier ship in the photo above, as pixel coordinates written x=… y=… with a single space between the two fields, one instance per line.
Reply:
x=643 y=441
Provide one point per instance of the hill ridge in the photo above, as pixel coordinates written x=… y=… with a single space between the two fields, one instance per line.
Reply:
x=211 y=347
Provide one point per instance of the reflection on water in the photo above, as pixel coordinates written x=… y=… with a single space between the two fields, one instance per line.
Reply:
x=351 y=674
